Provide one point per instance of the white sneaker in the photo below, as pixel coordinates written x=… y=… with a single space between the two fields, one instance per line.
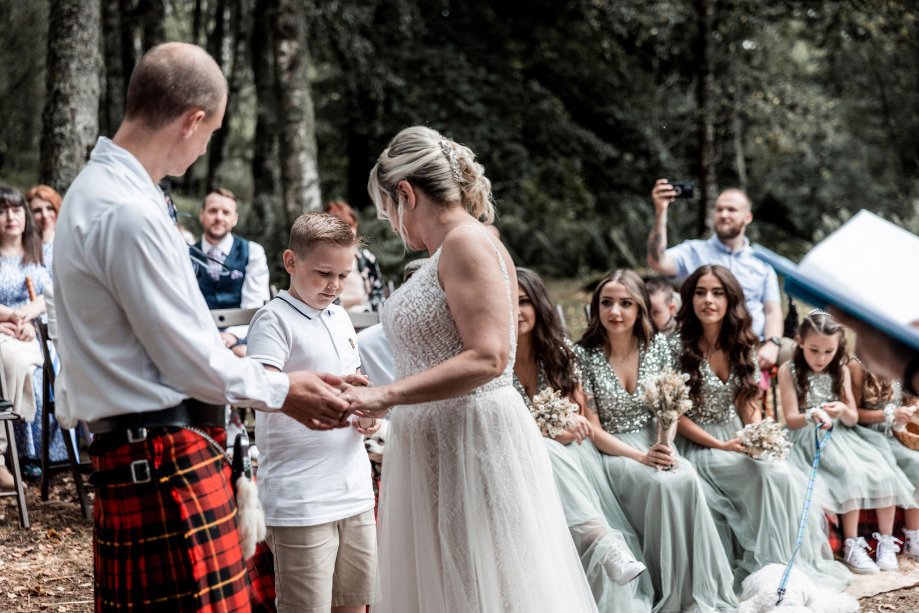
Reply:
x=622 y=567
x=886 y=555
x=857 y=558
x=911 y=544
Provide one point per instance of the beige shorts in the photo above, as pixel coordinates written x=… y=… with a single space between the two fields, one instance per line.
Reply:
x=320 y=567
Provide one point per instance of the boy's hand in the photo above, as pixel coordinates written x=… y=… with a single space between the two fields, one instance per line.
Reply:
x=357 y=380
x=373 y=425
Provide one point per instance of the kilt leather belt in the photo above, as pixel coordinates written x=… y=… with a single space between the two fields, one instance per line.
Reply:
x=115 y=432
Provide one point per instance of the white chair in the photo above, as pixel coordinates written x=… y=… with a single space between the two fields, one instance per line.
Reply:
x=361 y=320
x=224 y=318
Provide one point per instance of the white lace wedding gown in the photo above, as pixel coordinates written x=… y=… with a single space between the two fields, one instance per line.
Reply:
x=470 y=520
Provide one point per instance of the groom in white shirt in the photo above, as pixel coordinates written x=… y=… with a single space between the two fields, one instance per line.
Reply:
x=144 y=360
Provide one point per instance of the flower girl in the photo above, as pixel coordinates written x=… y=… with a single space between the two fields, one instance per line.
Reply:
x=755 y=502
x=680 y=542
x=815 y=388
x=883 y=408
x=601 y=533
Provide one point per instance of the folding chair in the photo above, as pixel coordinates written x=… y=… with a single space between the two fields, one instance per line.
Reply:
x=224 y=318
x=561 y=315
x=7 y=417
x=48 y=409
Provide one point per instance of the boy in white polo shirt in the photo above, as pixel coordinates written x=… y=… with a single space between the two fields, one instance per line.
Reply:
x=315 y=485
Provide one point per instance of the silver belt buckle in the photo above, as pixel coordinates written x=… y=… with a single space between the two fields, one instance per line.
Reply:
x=144 y=473
x=141 y=435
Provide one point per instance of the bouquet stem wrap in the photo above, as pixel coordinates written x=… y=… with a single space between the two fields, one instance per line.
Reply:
x=667 y=396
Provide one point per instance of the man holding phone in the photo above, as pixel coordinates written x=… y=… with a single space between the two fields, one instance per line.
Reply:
x=727 y=247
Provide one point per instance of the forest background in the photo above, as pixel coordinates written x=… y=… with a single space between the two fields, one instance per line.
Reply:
x=575 y=107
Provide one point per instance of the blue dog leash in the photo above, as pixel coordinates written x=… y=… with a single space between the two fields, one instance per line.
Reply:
x=807 y=503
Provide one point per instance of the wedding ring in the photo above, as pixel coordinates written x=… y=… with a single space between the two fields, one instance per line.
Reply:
x=373 y=422
x=349 y=398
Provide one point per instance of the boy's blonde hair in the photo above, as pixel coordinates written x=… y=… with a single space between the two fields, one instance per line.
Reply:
x=312 y=229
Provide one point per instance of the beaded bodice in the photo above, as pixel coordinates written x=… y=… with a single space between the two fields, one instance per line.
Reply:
x=717 y=398
x=540 y=386
x=421 y=330
x=619 y=411
x=820 y=391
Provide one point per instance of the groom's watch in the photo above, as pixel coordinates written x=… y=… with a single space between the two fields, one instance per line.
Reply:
x=776 y=340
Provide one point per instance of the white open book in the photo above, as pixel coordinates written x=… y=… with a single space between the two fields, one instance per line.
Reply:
x=868 y=268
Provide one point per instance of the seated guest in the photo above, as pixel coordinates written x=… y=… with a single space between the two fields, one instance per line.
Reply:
x=364 y=286
x=242 y=281
x=45 y=204
x=663 y=304
x=601 y=533
x=21 y=258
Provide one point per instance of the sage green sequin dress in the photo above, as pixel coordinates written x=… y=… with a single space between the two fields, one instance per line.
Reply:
x=756 y=504
x=596 y=522
x=680 y=543
x=854 y=473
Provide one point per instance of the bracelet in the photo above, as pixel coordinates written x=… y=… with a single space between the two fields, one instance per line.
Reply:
x=809 y=416
x=888 y=420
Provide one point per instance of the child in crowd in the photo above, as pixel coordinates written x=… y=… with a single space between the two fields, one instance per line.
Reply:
x=663 y=304
x=816 y=389
x=883 y=408
x=315 y=485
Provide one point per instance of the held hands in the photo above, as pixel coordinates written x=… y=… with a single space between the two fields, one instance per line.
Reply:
x=822 y=417
x=314 y=401
x=834 y=409
x=732 y=445
x=662 y=195
x=368 y=401
x=659 y=456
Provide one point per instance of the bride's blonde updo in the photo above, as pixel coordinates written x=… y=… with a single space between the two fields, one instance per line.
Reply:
x=446 y=172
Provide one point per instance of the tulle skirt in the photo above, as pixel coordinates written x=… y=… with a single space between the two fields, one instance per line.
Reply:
x=905 y=458
x=757 y=507
x=470 y=518
x=686 y=561
x=598 y=526
x=854 y=473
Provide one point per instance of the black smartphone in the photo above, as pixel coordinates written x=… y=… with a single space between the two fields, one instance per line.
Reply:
x=683 y=189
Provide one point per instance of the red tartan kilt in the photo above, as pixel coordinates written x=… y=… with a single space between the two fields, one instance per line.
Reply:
x=172 y=544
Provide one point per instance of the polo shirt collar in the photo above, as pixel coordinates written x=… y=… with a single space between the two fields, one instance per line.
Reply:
x=108 y=153
x=715 y=242
x=301 y=306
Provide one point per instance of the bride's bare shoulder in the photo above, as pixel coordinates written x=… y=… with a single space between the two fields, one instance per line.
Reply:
x=474 y=241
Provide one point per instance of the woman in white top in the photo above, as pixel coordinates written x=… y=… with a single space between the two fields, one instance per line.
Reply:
x=470 y=519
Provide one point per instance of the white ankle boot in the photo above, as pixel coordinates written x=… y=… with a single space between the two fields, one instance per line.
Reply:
x=621 y=565
x=857 y=558
x=911 y=544
x=886 y=555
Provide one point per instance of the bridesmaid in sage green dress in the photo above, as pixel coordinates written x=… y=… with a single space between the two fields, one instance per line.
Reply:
x=667 y=508
x=882 y=406
x=853 y=474
x=602 y=535
x=756 y=504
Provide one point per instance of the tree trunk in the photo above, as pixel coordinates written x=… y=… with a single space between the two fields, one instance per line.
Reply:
x=153 y=13
x=241 y=18
x=130 y=41
x=70 y=120
x=266 y=221
x=296 y=120
x=113 y=102
x=197 y=22
x=708 y=187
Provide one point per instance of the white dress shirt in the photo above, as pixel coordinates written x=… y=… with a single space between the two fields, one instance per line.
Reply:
x=135 y=332
x=255 y=291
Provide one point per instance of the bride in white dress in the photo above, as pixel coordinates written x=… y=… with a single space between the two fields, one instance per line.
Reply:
x=470 y=520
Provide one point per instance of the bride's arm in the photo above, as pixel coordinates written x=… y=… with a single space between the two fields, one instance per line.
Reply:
x=471 y=276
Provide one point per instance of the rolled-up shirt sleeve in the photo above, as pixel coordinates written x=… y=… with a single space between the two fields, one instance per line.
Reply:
x=150 y=275
x=771 y=289
x=682 y=259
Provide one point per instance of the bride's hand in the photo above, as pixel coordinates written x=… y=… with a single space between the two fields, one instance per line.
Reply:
x=367 y=401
